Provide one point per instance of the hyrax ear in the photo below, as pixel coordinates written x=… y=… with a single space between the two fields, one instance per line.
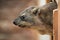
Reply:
x=35 y=11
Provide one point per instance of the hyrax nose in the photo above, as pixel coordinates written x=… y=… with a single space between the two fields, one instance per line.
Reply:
x=14 y=23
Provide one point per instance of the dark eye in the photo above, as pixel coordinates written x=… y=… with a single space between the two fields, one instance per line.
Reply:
x=22 y=18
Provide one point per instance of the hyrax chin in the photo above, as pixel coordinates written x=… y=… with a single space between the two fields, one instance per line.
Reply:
x=37 y=18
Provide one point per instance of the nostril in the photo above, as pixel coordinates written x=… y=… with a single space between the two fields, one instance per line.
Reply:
x=14 y=23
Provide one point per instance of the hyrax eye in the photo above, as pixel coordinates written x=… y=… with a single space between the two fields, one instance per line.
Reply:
x=22 y=17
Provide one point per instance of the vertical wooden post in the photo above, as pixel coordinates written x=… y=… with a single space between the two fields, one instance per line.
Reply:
x=55 y=24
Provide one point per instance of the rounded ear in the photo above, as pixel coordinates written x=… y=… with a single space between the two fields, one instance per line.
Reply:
x=35 y=11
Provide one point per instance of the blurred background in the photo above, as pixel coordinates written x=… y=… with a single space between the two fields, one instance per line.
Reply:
x=9 y=10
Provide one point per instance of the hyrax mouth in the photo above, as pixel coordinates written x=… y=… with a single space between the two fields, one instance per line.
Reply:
x=23 y=26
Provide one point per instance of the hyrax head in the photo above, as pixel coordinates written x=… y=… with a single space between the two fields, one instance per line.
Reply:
x=28 y=17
